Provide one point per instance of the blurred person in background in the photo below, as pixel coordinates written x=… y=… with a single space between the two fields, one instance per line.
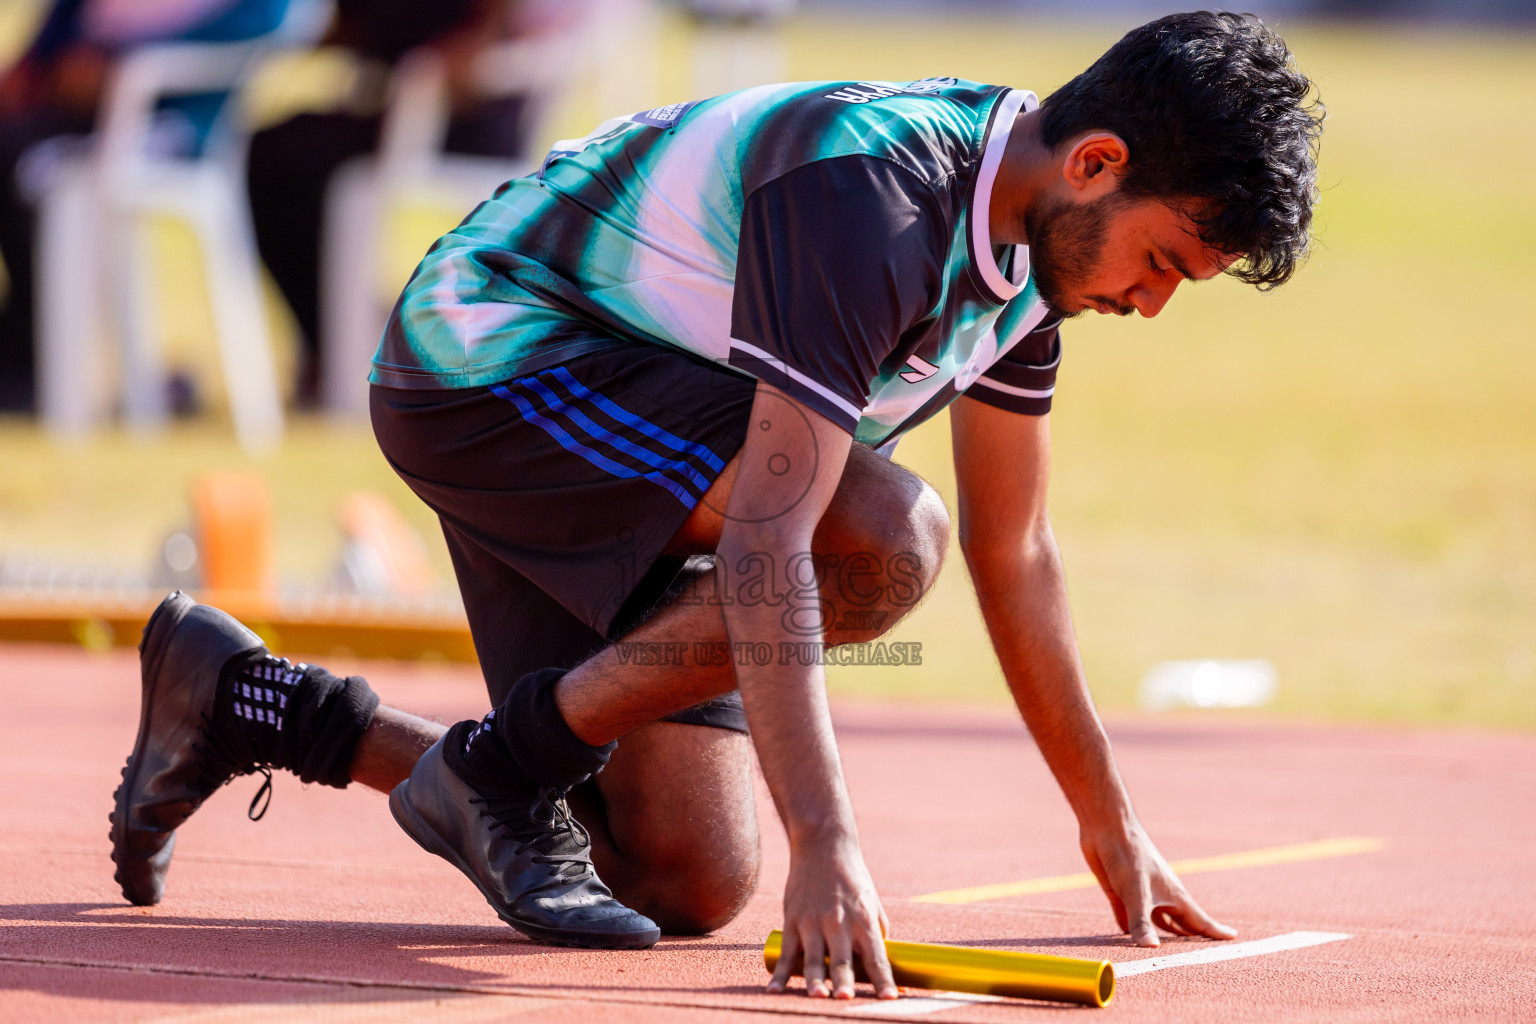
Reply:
x=292 y=163
x=48 y=103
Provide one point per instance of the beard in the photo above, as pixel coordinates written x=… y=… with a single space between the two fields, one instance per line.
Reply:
x=1066 y=242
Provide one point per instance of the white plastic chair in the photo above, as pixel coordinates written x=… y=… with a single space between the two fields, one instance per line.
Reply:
x=95 y=274
x=411 y=167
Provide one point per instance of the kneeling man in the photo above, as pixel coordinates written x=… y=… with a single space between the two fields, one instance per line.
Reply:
x=651 y=392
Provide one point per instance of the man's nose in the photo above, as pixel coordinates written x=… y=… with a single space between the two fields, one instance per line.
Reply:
x=1149 y=298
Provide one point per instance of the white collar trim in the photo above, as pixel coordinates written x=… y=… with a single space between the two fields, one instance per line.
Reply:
x=991 y=158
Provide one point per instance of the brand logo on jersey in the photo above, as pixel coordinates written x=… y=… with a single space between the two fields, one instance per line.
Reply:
x=920 y=370
x=975 y=366
x=923 y=85
x=663 y=117
x=863 y=92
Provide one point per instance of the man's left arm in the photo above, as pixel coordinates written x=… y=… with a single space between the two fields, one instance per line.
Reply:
x=1002 y=462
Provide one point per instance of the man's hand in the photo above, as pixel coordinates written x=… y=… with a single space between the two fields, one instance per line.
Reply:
x=1143 y=890
x=831 y=913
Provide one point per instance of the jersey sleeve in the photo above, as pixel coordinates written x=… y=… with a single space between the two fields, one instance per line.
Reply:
x=837 y=258
x=1024 y=380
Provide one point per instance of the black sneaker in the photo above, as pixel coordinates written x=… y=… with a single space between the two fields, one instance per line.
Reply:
x=524 y=851
x=179 y=758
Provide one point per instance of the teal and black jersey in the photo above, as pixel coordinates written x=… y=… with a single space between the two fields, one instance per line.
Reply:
x=828 y=238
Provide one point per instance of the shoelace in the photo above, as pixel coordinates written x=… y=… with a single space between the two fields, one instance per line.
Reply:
x=264 y=790
x=541 y=824
x=219 y=765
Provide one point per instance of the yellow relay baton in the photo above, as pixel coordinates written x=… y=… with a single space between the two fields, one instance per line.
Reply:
x=992 y=972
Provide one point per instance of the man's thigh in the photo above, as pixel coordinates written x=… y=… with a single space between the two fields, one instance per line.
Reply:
x=674 y=823
x=558 y=492
x=517 y=627
x=576 y=476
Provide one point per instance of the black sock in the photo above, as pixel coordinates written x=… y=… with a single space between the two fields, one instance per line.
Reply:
x=296 y=717
x=475 y=755
x=526 y=737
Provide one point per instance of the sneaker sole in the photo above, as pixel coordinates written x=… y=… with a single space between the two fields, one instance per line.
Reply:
x=152 y=648
x=426 y=837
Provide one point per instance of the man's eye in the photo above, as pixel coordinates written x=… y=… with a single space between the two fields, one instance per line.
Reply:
x=1152 y=262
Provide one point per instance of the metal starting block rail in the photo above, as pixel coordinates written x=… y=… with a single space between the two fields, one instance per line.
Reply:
x=326 y=626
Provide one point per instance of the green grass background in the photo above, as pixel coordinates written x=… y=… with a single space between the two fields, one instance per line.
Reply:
x=1337 y=476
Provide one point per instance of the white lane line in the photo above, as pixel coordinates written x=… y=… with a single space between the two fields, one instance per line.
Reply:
x=920 y=1006
x=917 y=1006
x=1235 y=951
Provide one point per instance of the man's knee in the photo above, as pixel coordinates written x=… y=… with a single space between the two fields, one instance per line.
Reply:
x=922 y=532
x=696 y=895
x=887 y=533
x=674 y=827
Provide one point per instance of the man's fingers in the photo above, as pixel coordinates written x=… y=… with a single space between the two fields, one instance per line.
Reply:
x=1163 y=917
x=1118 y=906
x=1196 y=921
x=1115 y=902
x=1138 y=909
x=1143 y=934
x=877 y=966
x=1144 y=892
x=840 y=946
x=816 y=965
x=789 y=952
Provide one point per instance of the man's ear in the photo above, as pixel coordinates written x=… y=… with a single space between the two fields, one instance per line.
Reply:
x=1095 y=162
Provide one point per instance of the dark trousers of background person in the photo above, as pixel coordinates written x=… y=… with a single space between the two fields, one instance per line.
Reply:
x=291 y=165
x=18 y=229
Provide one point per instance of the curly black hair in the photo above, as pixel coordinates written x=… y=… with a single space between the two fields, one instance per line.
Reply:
x=1218 y=121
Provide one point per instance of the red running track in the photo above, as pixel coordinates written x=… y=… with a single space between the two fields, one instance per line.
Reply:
x=326 y=911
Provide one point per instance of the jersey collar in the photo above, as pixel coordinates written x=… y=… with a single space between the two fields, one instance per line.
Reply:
x=992 y=278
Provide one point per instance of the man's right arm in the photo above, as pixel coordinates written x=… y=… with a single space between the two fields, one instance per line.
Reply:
x=837 y=259
x=789 y=467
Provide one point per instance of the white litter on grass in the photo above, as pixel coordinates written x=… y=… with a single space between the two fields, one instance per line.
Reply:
x=1208 y=684
x=1212 y=954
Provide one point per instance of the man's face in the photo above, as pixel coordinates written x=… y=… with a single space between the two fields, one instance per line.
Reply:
x=1114 y=255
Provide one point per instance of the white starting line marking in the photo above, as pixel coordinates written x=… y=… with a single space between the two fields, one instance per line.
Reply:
x=1234 y=951
x=1212 y=954
x=917 y=1006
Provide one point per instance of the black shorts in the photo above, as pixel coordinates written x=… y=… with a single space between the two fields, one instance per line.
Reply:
x=559 y=489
